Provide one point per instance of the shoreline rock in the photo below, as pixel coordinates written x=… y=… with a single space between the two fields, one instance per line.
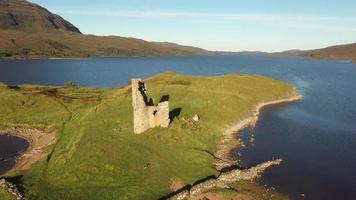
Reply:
x=222 y=181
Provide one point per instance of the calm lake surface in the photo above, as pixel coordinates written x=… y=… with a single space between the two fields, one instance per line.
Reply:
x=316 y=137
x=10 y=148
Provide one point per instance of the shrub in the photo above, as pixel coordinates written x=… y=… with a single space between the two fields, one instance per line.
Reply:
x=71 y=84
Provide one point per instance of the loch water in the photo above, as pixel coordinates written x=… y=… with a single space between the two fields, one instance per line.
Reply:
x=10 y=148
x=316 y=137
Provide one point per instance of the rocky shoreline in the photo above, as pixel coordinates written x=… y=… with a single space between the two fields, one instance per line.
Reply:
x=229 y=141
x=230 y=170
x=38 y=139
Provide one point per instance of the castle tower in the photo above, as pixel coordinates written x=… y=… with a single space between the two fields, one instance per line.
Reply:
x=146 y=115
x=139 y=100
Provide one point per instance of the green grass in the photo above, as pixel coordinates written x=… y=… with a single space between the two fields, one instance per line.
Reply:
x=6 y=196
x=97 y=156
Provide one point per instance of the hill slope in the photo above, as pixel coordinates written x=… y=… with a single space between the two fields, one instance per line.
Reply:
x=25 y=16
x=19 y=45
x=30 y=31
x=340 y=52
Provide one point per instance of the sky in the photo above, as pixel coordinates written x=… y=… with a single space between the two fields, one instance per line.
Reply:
x=225 y=25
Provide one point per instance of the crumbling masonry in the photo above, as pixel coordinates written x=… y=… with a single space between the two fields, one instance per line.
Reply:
x=146 y=115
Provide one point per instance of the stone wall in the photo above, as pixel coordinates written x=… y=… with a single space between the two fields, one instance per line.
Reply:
x=146 y=115
x=225 y=179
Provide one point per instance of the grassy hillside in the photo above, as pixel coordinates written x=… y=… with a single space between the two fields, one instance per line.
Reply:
x=97 y=156
x=30 y=31
x=19 y=44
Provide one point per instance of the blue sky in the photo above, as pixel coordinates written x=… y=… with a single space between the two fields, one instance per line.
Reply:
x=231 y=25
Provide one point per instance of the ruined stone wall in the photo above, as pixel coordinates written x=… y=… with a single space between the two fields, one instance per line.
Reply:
x=146 y=115
x=222 y=181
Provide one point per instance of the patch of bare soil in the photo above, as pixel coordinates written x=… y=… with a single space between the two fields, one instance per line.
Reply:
x=176 y=184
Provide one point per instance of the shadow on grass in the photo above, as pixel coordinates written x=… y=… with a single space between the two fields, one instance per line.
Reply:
x=174 y=114
x=164 y=98
x=17 y=180
x=14 y=87
x=170 y=195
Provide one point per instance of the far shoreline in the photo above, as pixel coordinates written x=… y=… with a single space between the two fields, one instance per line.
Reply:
x=350 y=60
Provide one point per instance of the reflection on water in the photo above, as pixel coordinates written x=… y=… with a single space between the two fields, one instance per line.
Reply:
x=302 y=85
x=309 y=119
x=316 y=136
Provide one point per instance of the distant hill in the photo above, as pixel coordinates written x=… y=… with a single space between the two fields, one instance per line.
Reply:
x=18 y=44
x=340 y=52
x=25 y=16
x=30 y=31
x=194 y=50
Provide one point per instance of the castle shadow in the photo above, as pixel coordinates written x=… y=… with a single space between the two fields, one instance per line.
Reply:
x=174 y=114
x=14 y=87
x=164 y=98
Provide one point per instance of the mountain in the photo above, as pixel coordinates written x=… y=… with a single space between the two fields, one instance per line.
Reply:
x=30 y=31
x=25 y=16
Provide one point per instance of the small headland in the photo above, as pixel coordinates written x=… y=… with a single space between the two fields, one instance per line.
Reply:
x=97 y=149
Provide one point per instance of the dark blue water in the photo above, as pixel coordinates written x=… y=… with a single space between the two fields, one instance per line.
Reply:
x=316 y=136
x=10 y=148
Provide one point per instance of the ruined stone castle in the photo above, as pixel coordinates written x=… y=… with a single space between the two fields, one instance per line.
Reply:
x=146 y=115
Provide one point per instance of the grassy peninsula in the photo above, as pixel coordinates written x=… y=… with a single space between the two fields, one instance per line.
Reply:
x=97 y=155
